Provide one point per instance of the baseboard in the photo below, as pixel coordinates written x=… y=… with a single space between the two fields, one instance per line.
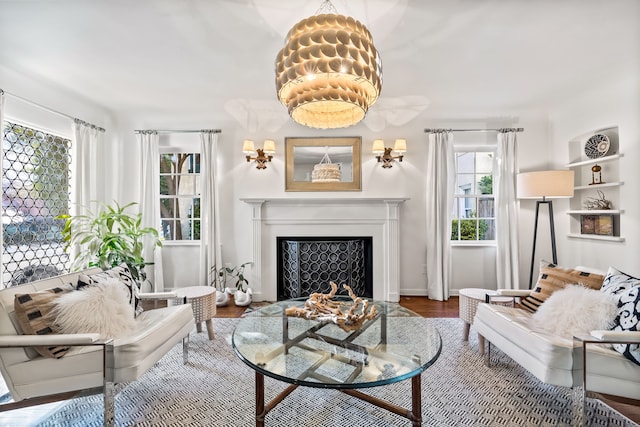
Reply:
x=424 y=293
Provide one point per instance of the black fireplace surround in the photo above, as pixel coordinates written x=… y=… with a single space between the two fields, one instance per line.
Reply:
x=308 y=264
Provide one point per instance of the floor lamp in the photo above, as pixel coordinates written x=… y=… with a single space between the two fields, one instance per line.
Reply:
x=551 y=184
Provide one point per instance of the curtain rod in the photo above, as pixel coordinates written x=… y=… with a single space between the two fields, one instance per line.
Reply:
x=474 y=130
x=51 y=110
x=179 y=131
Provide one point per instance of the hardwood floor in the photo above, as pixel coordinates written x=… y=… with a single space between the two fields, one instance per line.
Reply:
x=428 y=308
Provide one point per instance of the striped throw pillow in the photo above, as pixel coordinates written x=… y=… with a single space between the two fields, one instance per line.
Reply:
x=553 y=278
x=33 y=312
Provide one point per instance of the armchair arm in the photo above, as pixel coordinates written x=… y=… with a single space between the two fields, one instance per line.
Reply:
x=613 y=337
x=50 y=340
x=513 y=292
x=157 y=295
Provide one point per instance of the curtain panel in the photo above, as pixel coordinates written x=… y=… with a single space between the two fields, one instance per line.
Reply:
x=210 y=249
x=150 y=205
x=506 y=211
x=440 y=168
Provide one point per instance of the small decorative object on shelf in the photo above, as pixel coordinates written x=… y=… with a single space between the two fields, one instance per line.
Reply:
x=601 y=225
x=599 y=203
x=349 y=316
x=597 y=146
x=596 y=175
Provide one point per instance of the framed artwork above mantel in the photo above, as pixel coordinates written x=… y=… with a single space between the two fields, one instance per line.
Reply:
x=323 y=163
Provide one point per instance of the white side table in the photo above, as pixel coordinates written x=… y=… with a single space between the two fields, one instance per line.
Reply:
x=468 y=300
x=203 y=303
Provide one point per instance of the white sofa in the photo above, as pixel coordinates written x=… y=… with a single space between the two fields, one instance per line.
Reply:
x=557 y=360
x=95 y=364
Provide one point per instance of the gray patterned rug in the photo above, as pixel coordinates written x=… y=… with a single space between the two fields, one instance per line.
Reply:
x=216 y=389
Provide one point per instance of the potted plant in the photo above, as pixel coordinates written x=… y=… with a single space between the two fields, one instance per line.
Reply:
x=108 y=238
x=241 y=294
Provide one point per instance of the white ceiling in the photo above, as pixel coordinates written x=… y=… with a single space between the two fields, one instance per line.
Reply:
x=215 y=59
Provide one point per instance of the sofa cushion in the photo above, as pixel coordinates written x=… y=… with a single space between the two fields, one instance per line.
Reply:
x=553 y=278
x=102 y=308
x=626 y=289
x=123 y=274
x=33 y=312
x=576 y=310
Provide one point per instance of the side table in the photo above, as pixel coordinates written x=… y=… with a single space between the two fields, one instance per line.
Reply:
x=468 y=300
x=203 y=303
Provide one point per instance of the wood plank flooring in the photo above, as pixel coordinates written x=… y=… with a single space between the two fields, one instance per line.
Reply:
x=428 y=308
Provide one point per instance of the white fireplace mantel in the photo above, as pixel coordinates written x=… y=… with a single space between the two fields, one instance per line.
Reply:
x=310 y=217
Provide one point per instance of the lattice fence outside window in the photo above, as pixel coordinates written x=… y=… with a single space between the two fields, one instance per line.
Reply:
x=35 y=189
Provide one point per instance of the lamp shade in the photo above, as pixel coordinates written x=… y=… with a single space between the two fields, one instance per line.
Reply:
x=248 y=147
x=545 y=184
x=269 y=146
x=400 y=146
x=378 y=146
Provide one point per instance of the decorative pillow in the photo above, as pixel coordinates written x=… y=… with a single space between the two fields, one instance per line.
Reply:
x=553 y=278
x=101 y=308
x=123 y=274
x=33 y=314
x=626 y=289
x=576 y=310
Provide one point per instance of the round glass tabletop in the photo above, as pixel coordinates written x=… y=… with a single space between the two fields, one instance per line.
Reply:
x=396 y=345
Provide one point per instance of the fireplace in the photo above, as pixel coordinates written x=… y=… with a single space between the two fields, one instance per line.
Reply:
x=318 y=218
x=308 y=264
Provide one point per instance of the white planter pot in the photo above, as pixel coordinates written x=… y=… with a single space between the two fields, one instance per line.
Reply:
x=241 y=298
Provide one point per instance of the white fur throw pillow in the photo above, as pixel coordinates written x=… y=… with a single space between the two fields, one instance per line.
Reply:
x=103 y=308
x=576 y=310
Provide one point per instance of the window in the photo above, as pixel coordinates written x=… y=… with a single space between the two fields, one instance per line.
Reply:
x=180 y=196
x=35 y=189
x=473 y=205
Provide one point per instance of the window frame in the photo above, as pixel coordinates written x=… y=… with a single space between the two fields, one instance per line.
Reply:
x=195 y=195
x=475 y=149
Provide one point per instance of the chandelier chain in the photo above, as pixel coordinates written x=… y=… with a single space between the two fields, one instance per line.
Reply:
x=326 y=7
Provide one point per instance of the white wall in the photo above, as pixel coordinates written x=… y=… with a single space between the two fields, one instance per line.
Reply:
x=615 y=103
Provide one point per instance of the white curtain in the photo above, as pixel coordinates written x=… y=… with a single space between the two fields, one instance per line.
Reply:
x=506 y=211
x=440 y=170
x=210 y=250
x=84 y=194
x=85 y=188
x=150 y=204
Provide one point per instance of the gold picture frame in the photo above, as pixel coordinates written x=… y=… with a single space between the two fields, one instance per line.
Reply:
x=302 y=154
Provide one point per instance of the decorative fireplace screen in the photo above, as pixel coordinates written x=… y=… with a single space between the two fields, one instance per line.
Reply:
x=307 y=265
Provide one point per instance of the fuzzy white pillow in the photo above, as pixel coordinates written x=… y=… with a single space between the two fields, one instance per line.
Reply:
x=102 y=308
x=576 y=310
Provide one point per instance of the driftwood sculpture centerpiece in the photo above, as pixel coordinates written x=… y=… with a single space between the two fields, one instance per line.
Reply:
x=348 y=315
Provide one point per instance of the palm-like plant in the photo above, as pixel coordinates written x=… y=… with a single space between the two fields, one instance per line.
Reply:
x=109 y=238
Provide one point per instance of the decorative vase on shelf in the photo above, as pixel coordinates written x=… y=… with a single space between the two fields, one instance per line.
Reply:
x=242 y=298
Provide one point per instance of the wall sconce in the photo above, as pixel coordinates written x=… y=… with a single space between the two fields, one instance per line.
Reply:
x=383 y=154
x=265 y=154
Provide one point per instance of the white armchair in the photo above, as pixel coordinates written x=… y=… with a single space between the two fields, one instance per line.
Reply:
x=92 y=365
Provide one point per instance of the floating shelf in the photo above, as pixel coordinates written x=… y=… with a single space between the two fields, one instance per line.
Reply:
x=595 y=212
x=596 y=186
x=596 y=237
x=594 y=161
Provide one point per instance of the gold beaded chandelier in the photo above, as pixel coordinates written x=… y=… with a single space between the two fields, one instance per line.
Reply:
x=328 y=73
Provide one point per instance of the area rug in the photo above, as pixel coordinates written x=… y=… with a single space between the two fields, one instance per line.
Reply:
x=216 y=389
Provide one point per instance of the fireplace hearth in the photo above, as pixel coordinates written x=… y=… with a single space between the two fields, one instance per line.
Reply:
x=308 y=264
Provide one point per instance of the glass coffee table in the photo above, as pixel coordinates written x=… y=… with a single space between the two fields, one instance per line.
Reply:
x=396 y=345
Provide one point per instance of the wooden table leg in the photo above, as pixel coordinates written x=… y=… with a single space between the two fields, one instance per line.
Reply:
x=416 y=400
x=481 y=345
x=209 y=328
x=465 y=331
x=198 y=327
x=259 y=400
